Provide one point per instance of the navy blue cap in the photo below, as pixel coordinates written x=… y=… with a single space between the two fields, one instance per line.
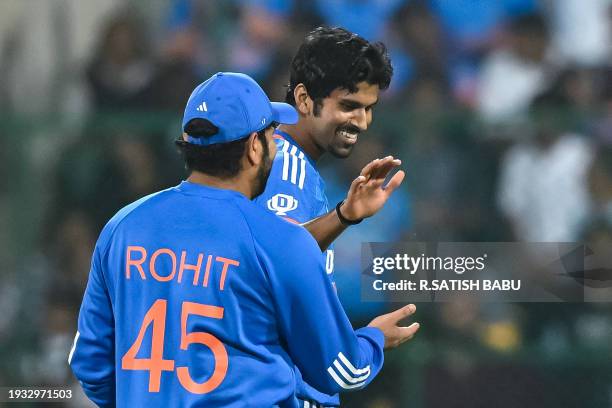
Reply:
x=237 y=105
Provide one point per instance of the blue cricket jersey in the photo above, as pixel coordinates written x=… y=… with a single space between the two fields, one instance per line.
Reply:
x=199 y=297
x=295 y=191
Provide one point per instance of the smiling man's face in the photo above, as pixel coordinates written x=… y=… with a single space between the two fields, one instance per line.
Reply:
x=343 y=115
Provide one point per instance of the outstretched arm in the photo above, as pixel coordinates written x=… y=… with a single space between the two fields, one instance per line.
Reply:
x=331 y=355
x=366 y=196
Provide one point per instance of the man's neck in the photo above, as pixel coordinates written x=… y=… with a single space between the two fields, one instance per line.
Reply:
x=303 y=138
x=234 y=184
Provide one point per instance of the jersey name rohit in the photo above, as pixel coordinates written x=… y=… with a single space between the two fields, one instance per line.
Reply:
x=166 y=265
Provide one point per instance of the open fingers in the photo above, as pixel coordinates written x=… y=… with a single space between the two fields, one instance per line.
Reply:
x=402 y=313
x=406 y=333
x=395 y=181
x=357 y=182
x=373 y=167
x=384 y=167
x=376 y=172
x=367 y=170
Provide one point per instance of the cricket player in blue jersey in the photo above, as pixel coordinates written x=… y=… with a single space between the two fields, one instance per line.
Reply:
x=199 y=297
x=335 y=80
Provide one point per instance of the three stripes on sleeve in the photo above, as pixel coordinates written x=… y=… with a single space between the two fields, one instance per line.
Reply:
x=353 y=378
x=294 y=164
x=345 y=375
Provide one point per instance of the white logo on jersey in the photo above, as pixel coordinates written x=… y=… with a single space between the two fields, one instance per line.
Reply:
x=281 y=204
x=329 y=261
x=202 y=107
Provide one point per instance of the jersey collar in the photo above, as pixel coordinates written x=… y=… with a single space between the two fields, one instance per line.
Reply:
x=189 y=188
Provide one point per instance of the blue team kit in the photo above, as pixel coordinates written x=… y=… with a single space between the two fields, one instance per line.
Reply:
x=198 y=296
x=216 y=302
x=296 y=192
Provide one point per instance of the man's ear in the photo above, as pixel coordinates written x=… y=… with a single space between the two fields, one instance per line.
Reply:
x=303 y=102
x=184 y=137
x=253 y=149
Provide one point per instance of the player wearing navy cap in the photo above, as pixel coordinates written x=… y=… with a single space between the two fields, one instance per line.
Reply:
x=335 y=80
x=191 y=301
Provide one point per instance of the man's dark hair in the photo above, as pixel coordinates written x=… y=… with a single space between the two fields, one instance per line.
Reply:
x=220 y=159
x=331 y=58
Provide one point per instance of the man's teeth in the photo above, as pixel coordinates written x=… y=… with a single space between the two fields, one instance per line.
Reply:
x=348 y=135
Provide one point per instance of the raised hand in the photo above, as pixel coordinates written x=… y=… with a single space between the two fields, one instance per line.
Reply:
x=367 y=193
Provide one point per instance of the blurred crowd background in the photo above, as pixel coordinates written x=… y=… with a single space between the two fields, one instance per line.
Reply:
x=501 y=111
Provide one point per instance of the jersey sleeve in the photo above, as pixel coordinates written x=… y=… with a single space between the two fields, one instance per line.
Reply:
x=290 y=189
x=93 y=352
x=331 y=356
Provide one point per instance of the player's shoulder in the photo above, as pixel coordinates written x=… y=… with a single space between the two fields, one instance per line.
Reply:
x=280 y=245
x=261 y=220
x=269 y=229
x=131 y=210
x=292 y=167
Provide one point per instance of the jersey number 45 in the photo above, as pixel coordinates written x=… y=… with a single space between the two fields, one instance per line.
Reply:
x=156 y=363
